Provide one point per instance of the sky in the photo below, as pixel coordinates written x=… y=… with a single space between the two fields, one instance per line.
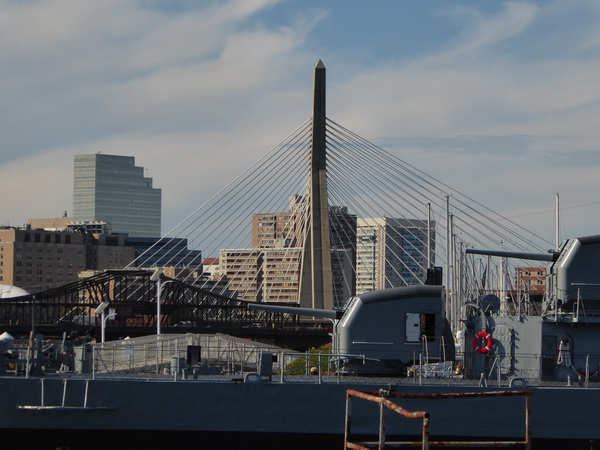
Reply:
x=499 y=100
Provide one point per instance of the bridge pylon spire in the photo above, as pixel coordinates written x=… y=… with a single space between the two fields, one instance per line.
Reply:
x=316 y=280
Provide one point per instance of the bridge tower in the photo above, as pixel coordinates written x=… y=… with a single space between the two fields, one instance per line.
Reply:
x=316 y=281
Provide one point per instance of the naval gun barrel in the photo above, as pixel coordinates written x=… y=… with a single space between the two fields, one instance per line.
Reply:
x=551 y=256
x=320 y=313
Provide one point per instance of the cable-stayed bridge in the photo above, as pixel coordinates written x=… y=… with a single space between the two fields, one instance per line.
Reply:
x=321 y=217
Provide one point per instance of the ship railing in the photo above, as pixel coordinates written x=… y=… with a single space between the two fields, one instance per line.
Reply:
x=152 y=354
x=228 y=355
x=441 y=369
x=316 y=367
x=237 y=355
x=166 y=354
x=499 y=369
x=217 y=355
x=584 y=308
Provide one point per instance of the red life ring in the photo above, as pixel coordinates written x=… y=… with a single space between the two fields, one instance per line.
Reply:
x=489 y=342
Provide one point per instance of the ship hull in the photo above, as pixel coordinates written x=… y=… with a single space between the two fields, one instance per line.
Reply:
x=231 y=410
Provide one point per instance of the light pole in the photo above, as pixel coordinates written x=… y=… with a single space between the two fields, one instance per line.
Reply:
x=111 y=315
x=156 y=277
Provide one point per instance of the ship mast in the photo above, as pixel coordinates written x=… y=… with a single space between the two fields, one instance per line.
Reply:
x=556 y=223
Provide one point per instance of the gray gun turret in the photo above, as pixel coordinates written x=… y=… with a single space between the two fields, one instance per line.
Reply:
x=386 y=330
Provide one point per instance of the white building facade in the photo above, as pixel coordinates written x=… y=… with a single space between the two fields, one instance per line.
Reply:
x=391 y=252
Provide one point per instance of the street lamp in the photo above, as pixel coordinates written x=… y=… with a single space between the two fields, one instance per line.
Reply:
x=111 y=315
x=156 y=277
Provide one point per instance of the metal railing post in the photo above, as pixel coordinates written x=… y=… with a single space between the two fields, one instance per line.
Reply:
x=381 y=426
x=425 y=437
x=348 y=423
x=320 y=370
x=528 y=422
x=64 y=396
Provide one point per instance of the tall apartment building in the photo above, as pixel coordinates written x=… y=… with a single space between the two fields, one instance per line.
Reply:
x=270 y=271
x=275 y=230
x=262 y=274
x=113 y=189
x=280 y=229
x=391 y=253
x=37 y=259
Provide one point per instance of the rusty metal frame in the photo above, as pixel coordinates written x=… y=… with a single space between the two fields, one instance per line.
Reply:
x=383 y=404
x=382 y=396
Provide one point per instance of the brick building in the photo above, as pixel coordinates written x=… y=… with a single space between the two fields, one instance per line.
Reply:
x=38 y=259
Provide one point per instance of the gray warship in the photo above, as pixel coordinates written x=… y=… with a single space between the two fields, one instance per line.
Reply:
x=232 y=392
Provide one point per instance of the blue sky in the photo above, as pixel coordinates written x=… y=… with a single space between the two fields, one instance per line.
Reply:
x=500 y=100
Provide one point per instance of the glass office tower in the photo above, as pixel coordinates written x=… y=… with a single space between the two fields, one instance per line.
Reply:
x=113 y=189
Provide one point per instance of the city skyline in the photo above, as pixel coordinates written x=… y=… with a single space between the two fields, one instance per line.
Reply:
x=497 y=99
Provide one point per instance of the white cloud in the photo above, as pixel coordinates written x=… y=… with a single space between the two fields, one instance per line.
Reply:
x=480 y=32
x=198 y=95
x=183 y=92
x=507 y=130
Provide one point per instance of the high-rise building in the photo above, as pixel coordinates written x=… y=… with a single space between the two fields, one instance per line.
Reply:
x=275 y=230
x=280 y=229
x=113 y=189
x=270 y=271
x=391 y=252
x=262 y=274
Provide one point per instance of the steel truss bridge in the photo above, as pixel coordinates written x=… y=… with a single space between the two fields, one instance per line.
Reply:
x=71 y=308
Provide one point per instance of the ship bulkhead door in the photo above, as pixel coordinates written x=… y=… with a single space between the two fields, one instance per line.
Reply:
x=549 y=346
x=413 y=327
